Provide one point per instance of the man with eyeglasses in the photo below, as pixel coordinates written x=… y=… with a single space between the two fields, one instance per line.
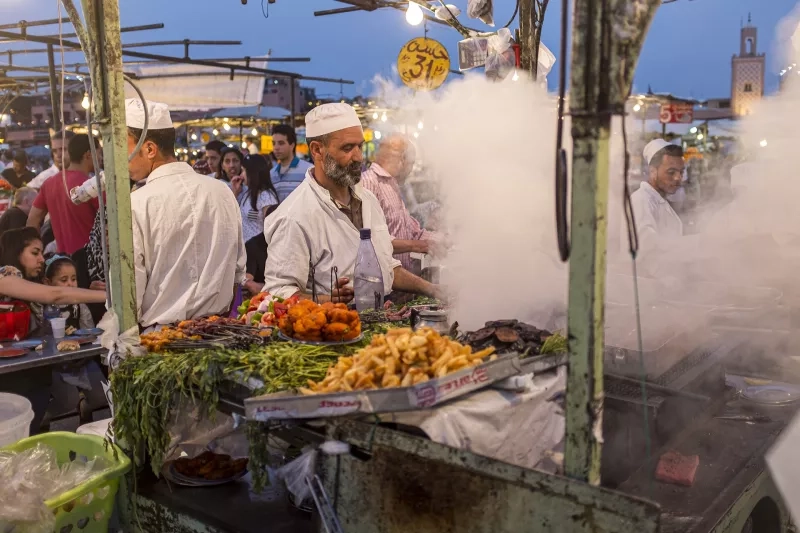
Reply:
x=58 y=151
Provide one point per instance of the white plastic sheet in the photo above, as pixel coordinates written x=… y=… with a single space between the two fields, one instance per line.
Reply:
x=198 y=88
x=515 y=427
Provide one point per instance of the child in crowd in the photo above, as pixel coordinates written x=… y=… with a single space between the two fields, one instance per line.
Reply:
x=60 y=271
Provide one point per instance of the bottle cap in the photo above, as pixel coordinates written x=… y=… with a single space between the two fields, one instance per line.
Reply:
x=366 y=234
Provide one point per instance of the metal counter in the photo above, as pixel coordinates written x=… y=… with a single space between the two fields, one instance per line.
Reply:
x=48 y=357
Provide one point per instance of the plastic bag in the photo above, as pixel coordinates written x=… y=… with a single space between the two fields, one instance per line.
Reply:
x=119 y=346
x=481 y=10
x=296 y=473
x=500 y=61
x=545 y=63
x=32 y=476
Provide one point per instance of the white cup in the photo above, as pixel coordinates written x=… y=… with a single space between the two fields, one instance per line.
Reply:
x=58 y=325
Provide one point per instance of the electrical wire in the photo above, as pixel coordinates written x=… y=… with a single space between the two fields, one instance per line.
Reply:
x=513 y=15
x=265 y=9
x=562 y=231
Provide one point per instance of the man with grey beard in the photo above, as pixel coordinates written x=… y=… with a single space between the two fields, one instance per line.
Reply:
x=318 y=226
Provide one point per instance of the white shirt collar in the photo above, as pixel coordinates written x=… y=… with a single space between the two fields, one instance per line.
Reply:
x=169 y=169
x=647 y=188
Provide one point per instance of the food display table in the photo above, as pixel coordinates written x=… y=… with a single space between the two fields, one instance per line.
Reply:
x=48 y=357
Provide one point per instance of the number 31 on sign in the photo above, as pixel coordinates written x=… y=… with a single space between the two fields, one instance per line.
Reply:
x=423 y=64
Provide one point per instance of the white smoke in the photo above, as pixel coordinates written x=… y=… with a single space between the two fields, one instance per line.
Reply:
x=491 y=149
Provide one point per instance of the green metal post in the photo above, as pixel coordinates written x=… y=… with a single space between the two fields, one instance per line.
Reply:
x=606 y=40
x=104 y=53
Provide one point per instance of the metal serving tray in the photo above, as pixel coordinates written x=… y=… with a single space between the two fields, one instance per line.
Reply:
x=286 y=405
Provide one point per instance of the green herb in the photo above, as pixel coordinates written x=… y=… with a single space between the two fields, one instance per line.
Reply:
x=555 y=343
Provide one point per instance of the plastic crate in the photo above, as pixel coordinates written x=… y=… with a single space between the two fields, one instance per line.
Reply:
x=87 y=508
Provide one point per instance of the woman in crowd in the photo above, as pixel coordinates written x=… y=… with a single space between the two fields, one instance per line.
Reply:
x=22 y=262
x=257 y=198
x=254 y=191
x=22 y=267
x=230 y=164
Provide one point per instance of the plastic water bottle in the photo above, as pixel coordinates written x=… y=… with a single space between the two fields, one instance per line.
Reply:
x=368 y=283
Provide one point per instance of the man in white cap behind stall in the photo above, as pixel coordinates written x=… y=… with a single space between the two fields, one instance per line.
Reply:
x=656 y=221
x=187 y=228
x=318 y=224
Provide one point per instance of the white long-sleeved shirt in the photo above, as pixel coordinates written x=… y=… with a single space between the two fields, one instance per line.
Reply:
x=44 y=175
x=308 y=228
x=188 y=246
x=656 y=221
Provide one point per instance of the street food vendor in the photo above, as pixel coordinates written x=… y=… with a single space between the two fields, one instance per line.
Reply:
x=317 y=227
x=656 y=221
x=187 y=228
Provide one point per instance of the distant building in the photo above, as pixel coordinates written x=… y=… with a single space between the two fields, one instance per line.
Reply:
x=277 y=93
x=747 y=72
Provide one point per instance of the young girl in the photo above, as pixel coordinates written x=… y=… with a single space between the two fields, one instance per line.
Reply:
x=60 y=271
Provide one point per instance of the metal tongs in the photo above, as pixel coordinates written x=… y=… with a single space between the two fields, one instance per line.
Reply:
x=334 y=279
x=326 y=512
x=312 y=272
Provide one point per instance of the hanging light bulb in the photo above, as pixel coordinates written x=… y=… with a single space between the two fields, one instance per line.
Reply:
x=85 y=101
x=215 y=131
x=419 y=125
x=226 y=126
x=194 y=136
x=244 y=144
x=375 y=116
x=414 y=14
x=416 y=135
x=378 y=134
x=515 y=77
x=254 y=131
x=384 y=117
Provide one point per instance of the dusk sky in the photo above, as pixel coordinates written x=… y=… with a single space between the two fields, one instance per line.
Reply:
x=687 y=52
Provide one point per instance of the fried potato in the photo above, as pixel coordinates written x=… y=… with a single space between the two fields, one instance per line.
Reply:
x=401 y=357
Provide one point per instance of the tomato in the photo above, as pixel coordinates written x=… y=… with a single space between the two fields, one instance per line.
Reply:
x=268 y=319
x=258 y=298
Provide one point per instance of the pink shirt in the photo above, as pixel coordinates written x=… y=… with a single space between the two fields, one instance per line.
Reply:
x=402 y=226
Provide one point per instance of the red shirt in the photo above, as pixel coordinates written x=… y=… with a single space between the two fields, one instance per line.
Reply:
x=71 y=223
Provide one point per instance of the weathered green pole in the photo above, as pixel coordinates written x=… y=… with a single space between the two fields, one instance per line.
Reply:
x=54 y=92
x=103 y=49
x=606 y=40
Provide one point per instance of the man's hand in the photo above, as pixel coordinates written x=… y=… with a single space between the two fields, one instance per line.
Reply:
x=342 y=293
x=98 y=285
x=237 y=182
x=422 y=247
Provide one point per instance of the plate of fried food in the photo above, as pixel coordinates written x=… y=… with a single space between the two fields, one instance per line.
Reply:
x=207 y=469
x=327 y=324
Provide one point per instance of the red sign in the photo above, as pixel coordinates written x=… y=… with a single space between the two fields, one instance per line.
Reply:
x=676 y=113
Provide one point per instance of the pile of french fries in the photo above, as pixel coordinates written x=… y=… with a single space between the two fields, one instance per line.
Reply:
x=399 y=358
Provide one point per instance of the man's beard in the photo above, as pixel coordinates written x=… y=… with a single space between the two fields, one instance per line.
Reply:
x=343 y=176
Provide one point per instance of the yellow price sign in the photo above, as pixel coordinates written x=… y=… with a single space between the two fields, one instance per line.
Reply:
x=423 y=64
x=266 y=144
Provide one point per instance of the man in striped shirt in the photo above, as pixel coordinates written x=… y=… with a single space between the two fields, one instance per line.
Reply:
x=290 y=170
x=394 y=161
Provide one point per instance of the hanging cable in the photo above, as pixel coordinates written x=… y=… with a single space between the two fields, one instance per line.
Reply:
x=562 y=227
x=514 y=14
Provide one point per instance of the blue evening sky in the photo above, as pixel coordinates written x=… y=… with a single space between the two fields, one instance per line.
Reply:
x=687 y=52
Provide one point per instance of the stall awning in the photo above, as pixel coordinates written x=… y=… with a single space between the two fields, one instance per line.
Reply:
x=198 y=88
x=253 y=112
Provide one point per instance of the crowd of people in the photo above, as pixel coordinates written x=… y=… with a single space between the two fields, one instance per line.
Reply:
x=235 y=222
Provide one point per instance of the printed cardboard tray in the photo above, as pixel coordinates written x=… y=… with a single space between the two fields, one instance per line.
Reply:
x=285 y=405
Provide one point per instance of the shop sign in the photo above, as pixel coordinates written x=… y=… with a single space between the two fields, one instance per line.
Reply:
x=423 y=64
x=676 y=113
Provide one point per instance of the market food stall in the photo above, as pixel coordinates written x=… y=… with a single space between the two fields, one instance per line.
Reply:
x=375 y=408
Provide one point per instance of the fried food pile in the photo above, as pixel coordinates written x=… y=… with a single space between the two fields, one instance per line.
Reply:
x=211 y=466
x=307 y=321
x=400 y=358
x=157 y=340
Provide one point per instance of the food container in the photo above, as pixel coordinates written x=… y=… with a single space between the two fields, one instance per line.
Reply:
x=16 y=414
x=285 y=405
x=15 y=320
x=436 y=319
x=88 y=507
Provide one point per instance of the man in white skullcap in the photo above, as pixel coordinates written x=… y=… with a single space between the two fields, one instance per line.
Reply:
x=318 y=226
x=189 y=254
x=656 y=221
